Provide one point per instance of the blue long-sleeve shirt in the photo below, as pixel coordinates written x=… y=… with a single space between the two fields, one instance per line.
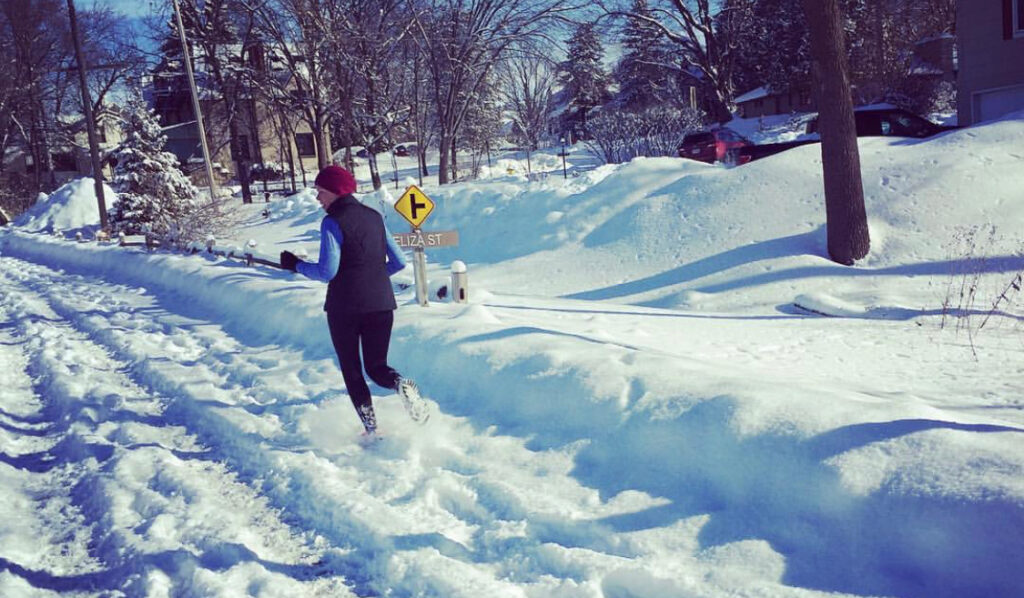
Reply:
x=331 y=238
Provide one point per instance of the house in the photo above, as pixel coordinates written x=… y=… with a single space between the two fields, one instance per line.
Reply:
x=990 y=79
x=935 y=57
x=69 y=153
x=765 y=102
x=265 y=133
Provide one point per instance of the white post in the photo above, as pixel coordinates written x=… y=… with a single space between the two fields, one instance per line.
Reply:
x=460 y=282
x=419 y=266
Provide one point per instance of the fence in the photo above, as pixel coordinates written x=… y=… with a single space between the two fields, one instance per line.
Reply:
x=152 y=243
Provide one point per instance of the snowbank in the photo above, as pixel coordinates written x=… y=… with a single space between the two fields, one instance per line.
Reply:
x=72 y=206
x=729 y=445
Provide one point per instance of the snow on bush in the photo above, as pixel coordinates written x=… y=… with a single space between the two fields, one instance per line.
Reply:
x=621 y=136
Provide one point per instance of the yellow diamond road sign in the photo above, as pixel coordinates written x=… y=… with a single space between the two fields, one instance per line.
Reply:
x=414 y=206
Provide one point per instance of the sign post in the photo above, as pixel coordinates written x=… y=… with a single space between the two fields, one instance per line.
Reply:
x=415 y=206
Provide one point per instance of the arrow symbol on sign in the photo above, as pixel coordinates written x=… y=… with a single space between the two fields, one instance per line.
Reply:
x=415 y=205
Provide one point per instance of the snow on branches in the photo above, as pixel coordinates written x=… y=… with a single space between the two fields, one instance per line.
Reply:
x=154 y=195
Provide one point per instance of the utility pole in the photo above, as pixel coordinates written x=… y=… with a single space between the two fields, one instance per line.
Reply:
x=195 y=101
x=90 y=123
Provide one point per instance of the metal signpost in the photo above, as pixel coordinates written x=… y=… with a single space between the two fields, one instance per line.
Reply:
x=415 y=206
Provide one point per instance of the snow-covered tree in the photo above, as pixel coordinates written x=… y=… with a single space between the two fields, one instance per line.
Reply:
x=776 y=48
x=880 y=47
x=647 y=73
x=153 y=194
x=584 y=78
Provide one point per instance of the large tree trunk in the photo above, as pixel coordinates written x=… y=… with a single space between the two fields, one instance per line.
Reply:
x=445 y=155
x=323 y=151
x=846 y=219
x=241 y=163
x=371 y=160
x=454 y=164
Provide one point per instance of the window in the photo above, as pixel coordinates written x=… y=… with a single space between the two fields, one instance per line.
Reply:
x=304 y=143
x=1013 y=19
x=64 y=161
x=909 y=126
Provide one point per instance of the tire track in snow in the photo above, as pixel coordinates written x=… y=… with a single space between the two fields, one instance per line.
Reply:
x=42 y=530
x=204 y=401
x=420 y=516
x=132 y=505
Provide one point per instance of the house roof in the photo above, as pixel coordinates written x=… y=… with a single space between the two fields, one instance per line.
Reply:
x=753 y=94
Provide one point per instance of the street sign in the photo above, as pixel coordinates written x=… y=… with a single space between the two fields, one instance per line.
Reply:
x=423 y=238
x=414 y=206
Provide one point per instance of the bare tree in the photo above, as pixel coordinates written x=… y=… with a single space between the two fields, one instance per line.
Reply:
x=40 y=59
x=462 y=41
x=220 y=32
x=528 y=80
x=370 y=36
x=846 y=219
x=703 y=31
x=301 y=30
x=422 y=112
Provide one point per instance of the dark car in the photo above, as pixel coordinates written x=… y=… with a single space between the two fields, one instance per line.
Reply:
x=401 y=151
x=717 y=145
x=363 y=153
x=870 y=122
x=885 y=122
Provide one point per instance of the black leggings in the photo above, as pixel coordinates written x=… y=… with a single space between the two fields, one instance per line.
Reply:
x=372 y=330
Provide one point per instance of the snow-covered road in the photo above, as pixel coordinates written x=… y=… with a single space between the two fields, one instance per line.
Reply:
x=113 y=471
x=163 y=456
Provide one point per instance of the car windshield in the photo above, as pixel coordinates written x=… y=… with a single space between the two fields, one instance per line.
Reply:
x=698 y=138
x=911 y=126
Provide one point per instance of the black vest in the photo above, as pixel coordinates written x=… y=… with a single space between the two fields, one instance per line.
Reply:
x=362 y=283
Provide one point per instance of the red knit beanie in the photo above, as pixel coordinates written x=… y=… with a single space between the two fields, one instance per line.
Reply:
x=336 y=180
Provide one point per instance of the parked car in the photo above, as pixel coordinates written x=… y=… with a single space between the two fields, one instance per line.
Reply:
x=402 y=151
x=721 y=144
x=884 y=122
x=870 y=122
x=363 y=153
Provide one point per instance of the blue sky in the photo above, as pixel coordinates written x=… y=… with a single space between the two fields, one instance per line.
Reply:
x=132 y=8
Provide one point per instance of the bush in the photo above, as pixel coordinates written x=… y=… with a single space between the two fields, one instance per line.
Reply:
x=268 y=171
x=621 y=136
x=16 y=195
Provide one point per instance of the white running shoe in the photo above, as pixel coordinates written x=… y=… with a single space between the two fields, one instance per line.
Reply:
x=368 y=439
x=414 y=404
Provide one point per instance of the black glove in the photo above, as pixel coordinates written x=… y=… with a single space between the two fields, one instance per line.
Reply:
x=289 y=261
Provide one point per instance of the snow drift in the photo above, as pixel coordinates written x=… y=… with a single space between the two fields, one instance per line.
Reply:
x=633 y=342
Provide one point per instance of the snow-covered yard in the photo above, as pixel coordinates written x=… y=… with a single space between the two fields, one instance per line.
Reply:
x=642 y=398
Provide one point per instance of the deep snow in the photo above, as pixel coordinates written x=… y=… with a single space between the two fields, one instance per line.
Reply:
x=641 y=399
